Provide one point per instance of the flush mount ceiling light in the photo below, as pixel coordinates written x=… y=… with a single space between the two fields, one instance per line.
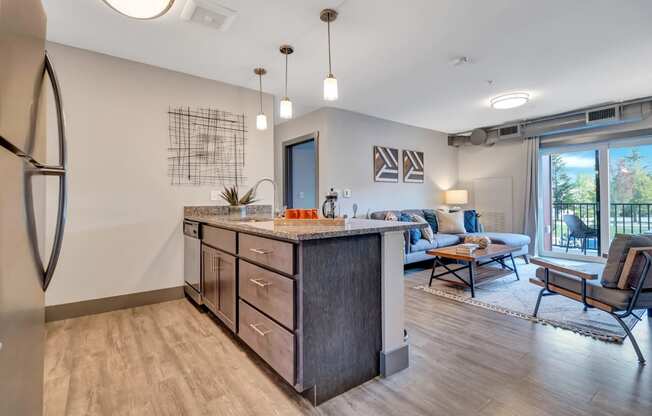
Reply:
x=511 y=100
x=261 y=118
x=140 y=9
x=330 y=83
x=286 y=105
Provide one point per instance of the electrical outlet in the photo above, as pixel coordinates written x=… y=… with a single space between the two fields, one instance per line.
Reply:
x=346 y=193
x=215 y=195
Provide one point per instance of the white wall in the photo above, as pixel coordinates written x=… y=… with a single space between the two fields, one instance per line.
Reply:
x=346 y=141
x=124 y=218
x=503 y=160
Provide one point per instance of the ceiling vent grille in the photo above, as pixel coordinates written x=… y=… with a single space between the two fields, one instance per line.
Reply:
x=603 y=115
x=208 y=13
x=509 y=132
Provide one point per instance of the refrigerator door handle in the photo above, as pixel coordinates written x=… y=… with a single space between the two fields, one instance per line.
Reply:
x=59 y=171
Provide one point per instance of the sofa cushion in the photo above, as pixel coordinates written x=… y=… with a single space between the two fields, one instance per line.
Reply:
x=412 y=212
x=471 y=221
x=380 y=215
x=445 y=240
x=618 y=253
x=514 y=240
x=431 y=218
x=422 y=245
x=614 y=297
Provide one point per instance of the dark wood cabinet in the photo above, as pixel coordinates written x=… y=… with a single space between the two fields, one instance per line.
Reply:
x=310 y=309
x=209 y=287
x=219 y=284
x=226 y=288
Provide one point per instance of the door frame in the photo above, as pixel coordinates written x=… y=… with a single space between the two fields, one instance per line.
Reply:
x=287 y=183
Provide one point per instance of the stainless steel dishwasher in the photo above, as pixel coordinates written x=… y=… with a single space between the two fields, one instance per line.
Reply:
x=192 y=260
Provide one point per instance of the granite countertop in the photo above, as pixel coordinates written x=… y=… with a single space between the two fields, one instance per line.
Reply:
x=265 y=227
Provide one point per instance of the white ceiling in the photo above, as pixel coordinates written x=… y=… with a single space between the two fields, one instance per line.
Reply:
x=393 y=58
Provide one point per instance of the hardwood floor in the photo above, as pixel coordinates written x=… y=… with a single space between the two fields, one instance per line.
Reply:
x=170 y=359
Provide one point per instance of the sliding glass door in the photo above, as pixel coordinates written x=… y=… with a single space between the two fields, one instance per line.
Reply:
x=591 y=193
x=571 y=211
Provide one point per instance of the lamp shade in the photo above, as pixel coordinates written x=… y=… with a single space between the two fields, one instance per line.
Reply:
x=261 y=122
x=285 y=108
x=330 y=88
x=457 y=196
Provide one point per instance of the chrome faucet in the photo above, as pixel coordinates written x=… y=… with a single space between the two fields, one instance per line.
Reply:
x=270 y=180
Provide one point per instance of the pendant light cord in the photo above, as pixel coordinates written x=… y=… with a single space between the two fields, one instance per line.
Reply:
x=286 y=75
x=330 y=70
x=260 y=79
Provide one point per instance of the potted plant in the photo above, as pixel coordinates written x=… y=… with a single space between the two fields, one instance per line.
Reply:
x=238 y=205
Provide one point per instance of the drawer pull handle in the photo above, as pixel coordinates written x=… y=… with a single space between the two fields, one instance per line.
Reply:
x=261 y=333
x=260 y=282
x=260 y=251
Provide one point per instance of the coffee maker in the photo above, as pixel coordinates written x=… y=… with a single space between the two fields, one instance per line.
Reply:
x=329 y=205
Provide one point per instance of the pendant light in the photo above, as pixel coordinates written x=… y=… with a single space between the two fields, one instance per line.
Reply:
x=285 y=110
x=140 y=9
x=261 y=118
x=330 y=83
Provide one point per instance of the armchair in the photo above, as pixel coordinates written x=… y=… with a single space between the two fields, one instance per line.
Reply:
x=586 y=285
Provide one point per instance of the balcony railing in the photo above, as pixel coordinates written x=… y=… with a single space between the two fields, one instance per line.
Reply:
x=623 y=219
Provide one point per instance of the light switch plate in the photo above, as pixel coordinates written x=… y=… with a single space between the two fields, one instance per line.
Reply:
x=346 y=193
x=215 y=195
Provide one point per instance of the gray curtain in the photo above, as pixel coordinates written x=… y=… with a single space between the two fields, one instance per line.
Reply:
x=531 y=190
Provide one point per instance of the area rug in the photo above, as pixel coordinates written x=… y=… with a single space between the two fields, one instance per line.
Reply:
x=499 y=291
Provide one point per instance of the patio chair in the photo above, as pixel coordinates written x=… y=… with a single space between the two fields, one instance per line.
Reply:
x=577 y=229
x=606 y=287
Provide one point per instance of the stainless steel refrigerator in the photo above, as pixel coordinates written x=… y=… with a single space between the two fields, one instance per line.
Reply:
x=27 y=86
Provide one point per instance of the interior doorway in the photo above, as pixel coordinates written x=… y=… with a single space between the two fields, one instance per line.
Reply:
x=301 y=172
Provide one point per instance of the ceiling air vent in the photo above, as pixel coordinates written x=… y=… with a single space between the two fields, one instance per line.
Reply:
x=603 y=115
x=208 y=13
x=509 y=132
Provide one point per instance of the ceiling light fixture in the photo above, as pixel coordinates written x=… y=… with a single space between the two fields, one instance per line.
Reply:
x=261 y=118
x=141 y=9
x=511 y=100
x=285 y=110
x=330 y=83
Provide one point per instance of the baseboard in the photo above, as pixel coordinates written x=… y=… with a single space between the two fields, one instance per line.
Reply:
x=91 y=307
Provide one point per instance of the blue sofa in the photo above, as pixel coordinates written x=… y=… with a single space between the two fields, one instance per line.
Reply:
x=415 y=252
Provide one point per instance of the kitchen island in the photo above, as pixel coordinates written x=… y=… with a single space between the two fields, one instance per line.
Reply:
x=322 y=305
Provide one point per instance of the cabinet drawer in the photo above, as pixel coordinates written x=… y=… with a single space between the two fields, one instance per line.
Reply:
x=276 y=254
x=270 y=292
x=219 y=238
x=270 y=341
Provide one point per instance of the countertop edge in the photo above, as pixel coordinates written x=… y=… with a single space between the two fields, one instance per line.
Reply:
x=295 y=237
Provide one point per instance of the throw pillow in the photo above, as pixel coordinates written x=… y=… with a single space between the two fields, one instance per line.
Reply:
x=451 y=222
x=618 y=254
x=471 y=221
x=425 y=232
x=415 y=233
x=430 y=216
x=390 y=216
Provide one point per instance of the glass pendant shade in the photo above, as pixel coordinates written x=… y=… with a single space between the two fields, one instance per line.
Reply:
x=285 y=108
x=261 y=121
x=140 y=9
x=330 y=88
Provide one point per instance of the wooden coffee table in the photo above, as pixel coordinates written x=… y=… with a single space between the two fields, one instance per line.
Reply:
x=494 y=253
